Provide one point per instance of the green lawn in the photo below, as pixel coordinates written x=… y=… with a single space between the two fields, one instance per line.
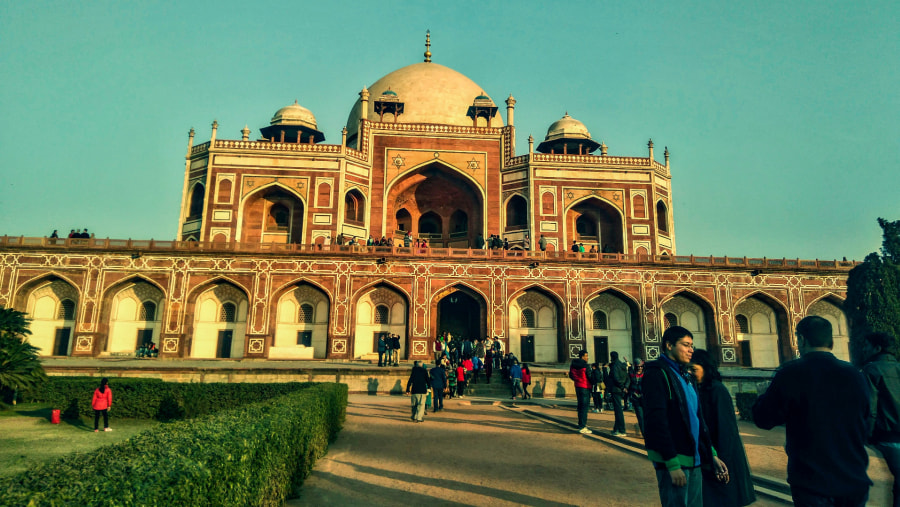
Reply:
x=27 y=437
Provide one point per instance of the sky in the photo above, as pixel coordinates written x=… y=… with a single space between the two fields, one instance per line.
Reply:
x=782 y=118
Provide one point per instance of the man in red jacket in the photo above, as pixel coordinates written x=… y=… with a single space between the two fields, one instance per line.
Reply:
x=578 y=374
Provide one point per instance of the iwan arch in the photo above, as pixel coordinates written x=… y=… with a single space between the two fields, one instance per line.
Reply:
x=255 y=271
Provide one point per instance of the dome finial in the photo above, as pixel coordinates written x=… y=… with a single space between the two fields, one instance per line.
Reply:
x=427 y=46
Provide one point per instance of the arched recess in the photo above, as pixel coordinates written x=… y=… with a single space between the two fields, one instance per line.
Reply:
x=548 y=203
x=52 y=304
x=440 y=189
x=516 y=213
x=126 y=325
x=271 y=214
x=355 y=208
x=831 y=308
x=768 y=344
x=211 y=334
x=366 y=331
x=431 y=226
x=403 y=221
x=662 y=217
x=223 y=190
x=459 y=227
x=546 y=341
x=695 y=314
x=300 y=322
x=195 y=206
x=622 y=333
x=460 y=310
x=594 y=221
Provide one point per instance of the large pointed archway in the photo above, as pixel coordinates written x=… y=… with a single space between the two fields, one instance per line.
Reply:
x=438 y=204
x=594 y=221
x=461 y=312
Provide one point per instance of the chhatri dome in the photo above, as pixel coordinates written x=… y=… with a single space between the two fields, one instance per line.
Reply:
x=568 y=135
x=293 y=120
x=430 y=92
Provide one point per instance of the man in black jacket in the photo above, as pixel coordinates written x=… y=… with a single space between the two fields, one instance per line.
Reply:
x=882 y=371
x=675 y=435
x=417 y=386
x=616 y=385
x=438 y=383
x=823 y=403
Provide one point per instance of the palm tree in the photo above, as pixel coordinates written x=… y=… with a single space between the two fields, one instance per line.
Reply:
x=19 y=364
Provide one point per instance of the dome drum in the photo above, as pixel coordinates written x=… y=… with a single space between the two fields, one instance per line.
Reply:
x=293 y=124
x=568 y=135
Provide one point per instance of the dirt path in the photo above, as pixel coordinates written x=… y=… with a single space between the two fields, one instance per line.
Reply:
x=470 y=455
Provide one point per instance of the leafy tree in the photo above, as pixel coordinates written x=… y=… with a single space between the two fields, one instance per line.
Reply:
x=19 y=364
x=873 y=292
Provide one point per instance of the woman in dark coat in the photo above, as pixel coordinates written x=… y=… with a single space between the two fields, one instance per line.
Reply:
x=718 y=412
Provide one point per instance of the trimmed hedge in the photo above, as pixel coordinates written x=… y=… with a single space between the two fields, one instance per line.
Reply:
x=142 y=398
x=253 y=455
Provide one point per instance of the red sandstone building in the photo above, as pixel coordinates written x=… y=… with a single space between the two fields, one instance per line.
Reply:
x=257 y=271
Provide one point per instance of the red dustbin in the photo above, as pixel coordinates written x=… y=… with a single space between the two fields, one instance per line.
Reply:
x=54 y=416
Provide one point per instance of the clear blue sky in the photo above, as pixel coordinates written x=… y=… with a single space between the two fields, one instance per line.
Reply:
x=783 y=118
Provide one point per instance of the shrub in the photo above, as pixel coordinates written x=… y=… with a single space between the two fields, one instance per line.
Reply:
x=141 y=398
x=251 y=455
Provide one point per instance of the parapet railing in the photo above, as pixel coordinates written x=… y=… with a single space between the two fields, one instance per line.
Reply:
x=139 y=246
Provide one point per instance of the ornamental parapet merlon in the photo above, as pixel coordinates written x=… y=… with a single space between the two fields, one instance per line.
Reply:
x=200 y=148
x=136 y=248
x=270 y=146
x=434 y=128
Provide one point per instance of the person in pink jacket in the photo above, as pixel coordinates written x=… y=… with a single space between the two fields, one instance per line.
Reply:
x=101 y=404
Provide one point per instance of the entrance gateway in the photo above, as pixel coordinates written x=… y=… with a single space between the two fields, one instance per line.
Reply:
x=462 y=315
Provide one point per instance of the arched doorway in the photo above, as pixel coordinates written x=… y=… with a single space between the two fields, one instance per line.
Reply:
x=219 y=322
x=381 y=309
x=51 y=303
x=301 y=324
x=612 y=325
x=272 y=215
x=134 y=311
x=595 y=222
x=461 y=312
x=438 y=204
x=763 y=333
x=691 y=312
x=830 y=309
x=536 y=327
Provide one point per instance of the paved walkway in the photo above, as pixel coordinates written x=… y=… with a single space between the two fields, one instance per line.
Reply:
x=471 y=454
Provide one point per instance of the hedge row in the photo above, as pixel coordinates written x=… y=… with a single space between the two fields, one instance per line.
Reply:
x=141 y=398
x=253 y=455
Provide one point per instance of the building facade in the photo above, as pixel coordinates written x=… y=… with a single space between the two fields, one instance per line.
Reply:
x=261 y=266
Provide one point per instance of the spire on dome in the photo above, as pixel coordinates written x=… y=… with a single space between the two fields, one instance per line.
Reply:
x=427 y=46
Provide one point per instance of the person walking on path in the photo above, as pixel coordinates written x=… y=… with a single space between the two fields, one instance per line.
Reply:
x=438 y=384
x=461 y=380
x=718 y=413
x=882 y=371
x=823 y=403
x=616 y=384
x=382 y=348
x=526 y=381
x=596 y=378
x=515 y=377
x=635 y=394
x=101 y=403
x=417 y=387
x=675 y=435
x=578 y=374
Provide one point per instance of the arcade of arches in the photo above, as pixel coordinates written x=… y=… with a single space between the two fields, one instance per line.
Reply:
x=339 y=307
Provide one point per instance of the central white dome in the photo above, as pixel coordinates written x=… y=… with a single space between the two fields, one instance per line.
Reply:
x=431 y=93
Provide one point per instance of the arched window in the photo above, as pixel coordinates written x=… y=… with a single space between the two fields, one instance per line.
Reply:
x=148 y=311
x=547 y=203
x=404 y=220
x=638 y=206
x=66 y=310
x=670 y=320
x=228 y=313
x=516 y=212
x=354 y=206
x=743 y=324
x=662 y=217
x=279 y=218
x=195 y=209
x=224 y=192
x=585 y=226
x=323 y=195
x=459 y=222
x=305 y=315
x=528 y=317
x=430 y=223
x=381 y=314
x=600 y=320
